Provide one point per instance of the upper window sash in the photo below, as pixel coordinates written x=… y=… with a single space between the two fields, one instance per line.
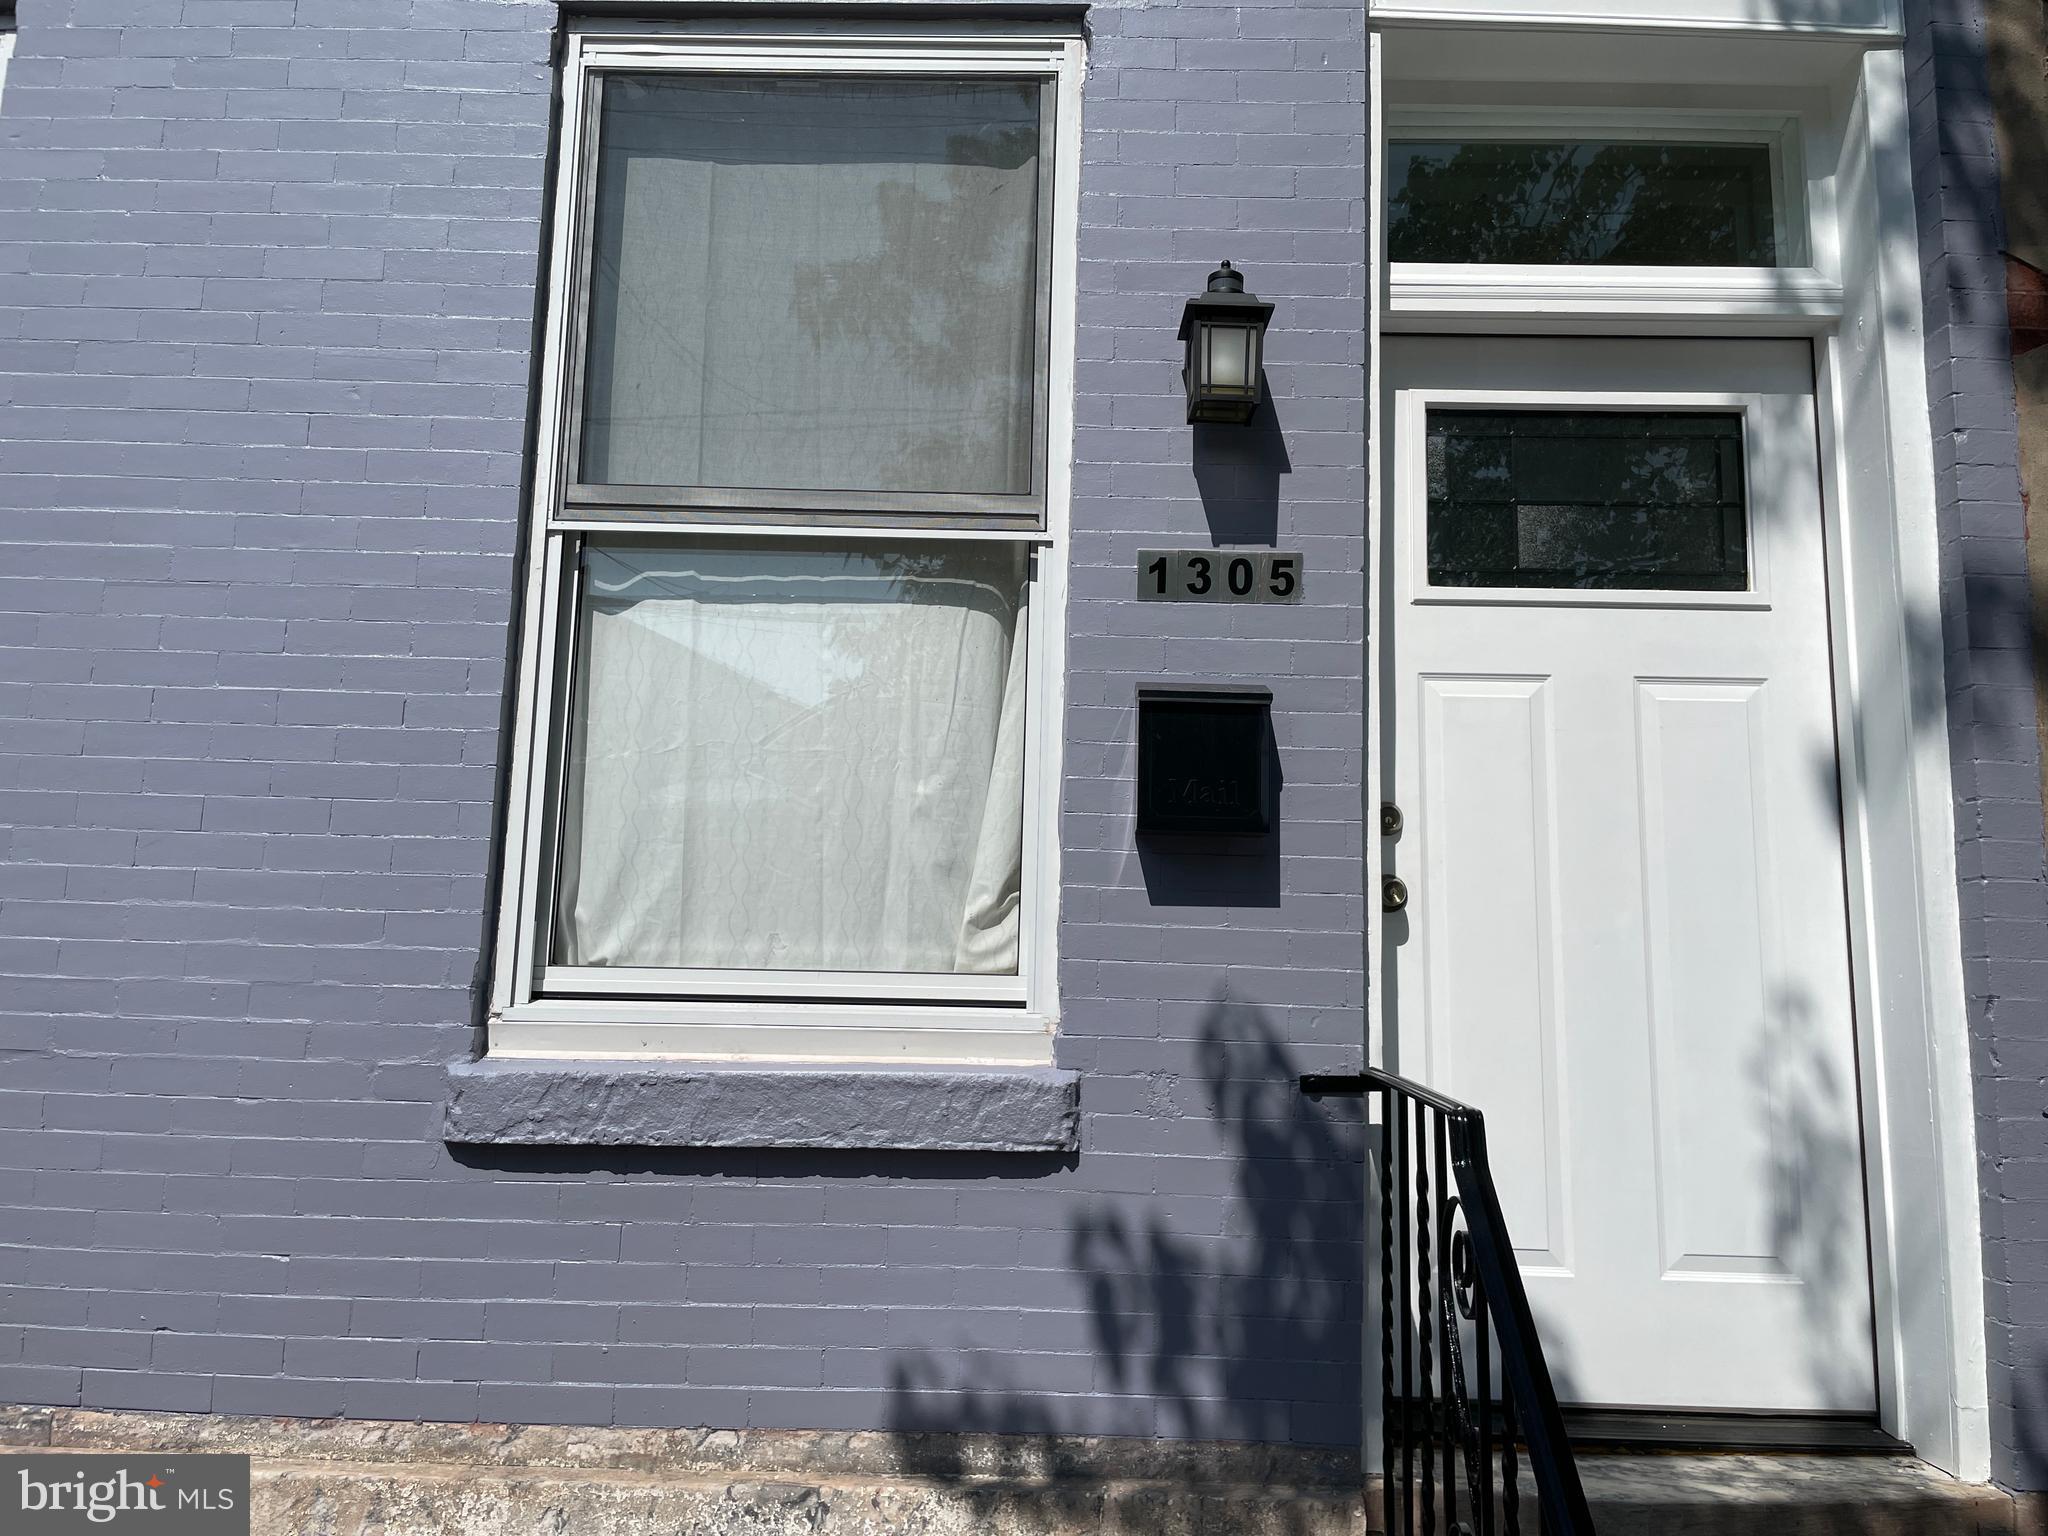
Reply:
x=597 y=60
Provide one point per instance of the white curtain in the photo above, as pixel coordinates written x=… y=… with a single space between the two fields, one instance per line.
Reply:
x=792 y=758
x=814 y=284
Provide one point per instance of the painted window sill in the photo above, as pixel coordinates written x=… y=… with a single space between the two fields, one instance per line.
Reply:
x=530 y=1101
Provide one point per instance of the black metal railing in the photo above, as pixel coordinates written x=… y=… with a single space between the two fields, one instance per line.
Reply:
x=1456 y=1436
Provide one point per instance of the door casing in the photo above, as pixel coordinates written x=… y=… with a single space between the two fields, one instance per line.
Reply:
x=1860 y=303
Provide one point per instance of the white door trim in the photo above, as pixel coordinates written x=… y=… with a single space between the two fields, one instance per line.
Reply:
x=1905 y=909
x=1878 y=499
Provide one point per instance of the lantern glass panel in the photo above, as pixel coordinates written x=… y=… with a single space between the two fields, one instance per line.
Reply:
x=1230 y=356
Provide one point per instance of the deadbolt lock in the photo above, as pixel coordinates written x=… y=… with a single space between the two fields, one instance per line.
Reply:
x=1390 y=819
x=1393 y=894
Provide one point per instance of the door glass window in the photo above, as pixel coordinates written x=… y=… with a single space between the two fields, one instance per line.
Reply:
x=1593 y=500
x=1534 y=202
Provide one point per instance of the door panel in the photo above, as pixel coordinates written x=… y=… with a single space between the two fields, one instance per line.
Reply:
x=1703 y=900
x=1492 y=973
x=1612 y=734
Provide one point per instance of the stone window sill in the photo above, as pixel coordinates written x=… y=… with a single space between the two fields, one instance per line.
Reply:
x=529 y=1101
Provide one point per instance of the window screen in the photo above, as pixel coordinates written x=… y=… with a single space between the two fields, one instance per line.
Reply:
x=814 y=283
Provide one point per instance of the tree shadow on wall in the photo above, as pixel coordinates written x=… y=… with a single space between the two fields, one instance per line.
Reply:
x=2020 y=1447
x=1255 y=1336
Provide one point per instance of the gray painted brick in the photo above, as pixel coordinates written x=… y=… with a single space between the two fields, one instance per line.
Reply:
x=147 y=1389
x=275 y=1394
x=284 y=605
x=410 y=1400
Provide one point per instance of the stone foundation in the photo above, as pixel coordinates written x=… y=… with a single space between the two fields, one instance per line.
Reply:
x=330 y=1477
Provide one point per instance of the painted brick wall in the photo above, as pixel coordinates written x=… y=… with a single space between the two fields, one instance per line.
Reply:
x=1993 y=746
x=266 y=293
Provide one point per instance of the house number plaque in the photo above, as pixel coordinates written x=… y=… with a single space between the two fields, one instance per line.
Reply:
x=1218 y=576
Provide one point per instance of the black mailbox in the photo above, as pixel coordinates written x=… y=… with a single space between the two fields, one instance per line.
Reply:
x=1206 y=760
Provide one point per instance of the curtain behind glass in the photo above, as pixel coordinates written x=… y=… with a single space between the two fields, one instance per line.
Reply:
x=794 y=758
x=814 y=283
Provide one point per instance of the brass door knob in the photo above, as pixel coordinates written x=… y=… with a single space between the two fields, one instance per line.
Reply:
x=1393 y=894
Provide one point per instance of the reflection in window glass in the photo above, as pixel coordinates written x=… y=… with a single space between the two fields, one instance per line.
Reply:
x=1581 y=202
x=1587 y=499
x=792 y=757
x=821 y=284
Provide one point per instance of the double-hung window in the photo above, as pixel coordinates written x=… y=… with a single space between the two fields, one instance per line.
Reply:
x=785 y=780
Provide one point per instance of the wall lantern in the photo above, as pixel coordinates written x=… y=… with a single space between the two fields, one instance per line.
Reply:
x=1224 y=331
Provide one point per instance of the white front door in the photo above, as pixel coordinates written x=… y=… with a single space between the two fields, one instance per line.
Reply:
x=1611 y=733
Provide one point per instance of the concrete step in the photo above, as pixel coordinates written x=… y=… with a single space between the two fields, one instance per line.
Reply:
x=1740 y=1494
x=1656 y=1494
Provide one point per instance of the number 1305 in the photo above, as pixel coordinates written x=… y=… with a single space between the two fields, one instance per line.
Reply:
x=1218 y=576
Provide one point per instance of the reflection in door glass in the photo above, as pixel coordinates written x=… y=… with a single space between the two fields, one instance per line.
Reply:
x=1628 y=500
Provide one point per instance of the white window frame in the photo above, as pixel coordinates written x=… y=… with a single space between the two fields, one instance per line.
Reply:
x=807 y=1015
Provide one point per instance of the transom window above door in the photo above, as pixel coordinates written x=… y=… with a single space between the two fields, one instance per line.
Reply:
x=1557 y=187
x=1582 y=201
